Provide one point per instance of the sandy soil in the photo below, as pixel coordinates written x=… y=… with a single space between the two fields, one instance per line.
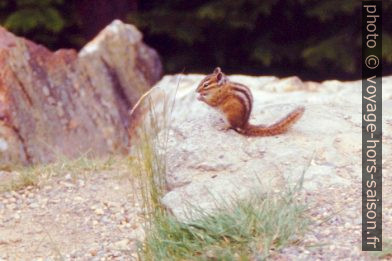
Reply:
x=98 y=217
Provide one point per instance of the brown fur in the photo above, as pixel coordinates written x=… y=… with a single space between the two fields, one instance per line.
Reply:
x=235 y=101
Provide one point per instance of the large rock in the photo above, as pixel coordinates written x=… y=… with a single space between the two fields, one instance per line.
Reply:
x=206 y=165
x=66 y=103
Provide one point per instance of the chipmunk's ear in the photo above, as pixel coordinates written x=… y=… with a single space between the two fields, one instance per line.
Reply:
x=220 y=77
x=217 y=70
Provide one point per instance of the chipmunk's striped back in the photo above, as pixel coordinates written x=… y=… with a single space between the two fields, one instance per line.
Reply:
x=245 y=96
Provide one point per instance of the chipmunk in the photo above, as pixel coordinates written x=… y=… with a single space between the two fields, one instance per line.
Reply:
x=235 y=101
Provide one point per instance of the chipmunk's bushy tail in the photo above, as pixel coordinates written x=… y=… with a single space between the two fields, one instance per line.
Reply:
x=277 y=128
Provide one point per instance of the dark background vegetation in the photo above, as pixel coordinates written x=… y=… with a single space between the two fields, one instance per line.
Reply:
x=314 y=39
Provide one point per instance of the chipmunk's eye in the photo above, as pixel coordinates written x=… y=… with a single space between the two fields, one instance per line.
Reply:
x=205 y=85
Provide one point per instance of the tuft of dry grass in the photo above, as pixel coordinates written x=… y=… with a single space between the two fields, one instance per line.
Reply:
x=242 y=230
x=36 y=175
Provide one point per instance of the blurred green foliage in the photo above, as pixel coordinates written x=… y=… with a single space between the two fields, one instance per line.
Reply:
x=30 y=16
x=311 y=38
x=53 y=23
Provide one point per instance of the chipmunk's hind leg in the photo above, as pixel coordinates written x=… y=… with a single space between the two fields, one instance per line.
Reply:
x=236 y=119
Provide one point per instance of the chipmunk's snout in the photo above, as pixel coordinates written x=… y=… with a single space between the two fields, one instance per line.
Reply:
x=201 y=96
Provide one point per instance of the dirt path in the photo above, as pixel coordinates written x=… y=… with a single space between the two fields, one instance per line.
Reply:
x=336 y=231
x=93 y=218
x=97 y=217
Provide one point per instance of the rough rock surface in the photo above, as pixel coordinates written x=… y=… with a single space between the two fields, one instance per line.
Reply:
x=207 y=165
x=67 y=103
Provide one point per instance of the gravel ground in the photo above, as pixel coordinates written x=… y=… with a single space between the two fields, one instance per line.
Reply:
x=94 y=218
x=98 y=218
x=337 y=223
x=336 y=232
